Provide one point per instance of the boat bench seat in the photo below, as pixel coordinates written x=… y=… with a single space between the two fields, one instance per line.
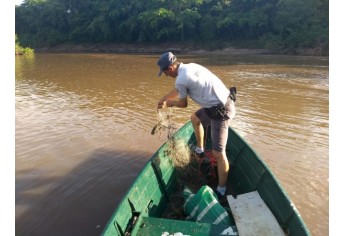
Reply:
x=252 y=216
x=165 y=227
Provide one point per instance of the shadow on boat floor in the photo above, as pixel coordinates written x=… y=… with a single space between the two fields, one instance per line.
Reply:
x=175 y=209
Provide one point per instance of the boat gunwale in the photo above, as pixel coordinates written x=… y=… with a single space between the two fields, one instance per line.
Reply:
x=142 y=171
x=267 y=169
x=269 y=172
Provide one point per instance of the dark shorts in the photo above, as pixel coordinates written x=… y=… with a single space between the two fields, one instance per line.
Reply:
x=219 y=128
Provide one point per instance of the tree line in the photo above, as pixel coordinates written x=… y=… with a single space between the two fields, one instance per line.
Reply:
x=274 y=24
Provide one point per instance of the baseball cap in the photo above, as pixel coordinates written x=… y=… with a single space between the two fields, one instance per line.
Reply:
x=165 y=60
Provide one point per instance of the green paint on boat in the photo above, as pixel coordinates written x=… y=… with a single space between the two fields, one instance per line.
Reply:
x=141 y=210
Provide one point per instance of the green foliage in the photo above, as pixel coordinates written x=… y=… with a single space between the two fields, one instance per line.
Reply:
x=19 y=50
x=299 y=24
x=157 y=25
x=276 y=24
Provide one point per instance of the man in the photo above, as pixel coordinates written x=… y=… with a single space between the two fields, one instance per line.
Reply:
x=217 y=107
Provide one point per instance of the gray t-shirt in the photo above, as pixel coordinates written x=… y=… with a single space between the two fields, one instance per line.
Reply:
x=202 y=86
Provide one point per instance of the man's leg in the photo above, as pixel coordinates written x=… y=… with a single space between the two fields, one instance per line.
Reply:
x=219 y=135
x=198 y=130
x=219 y=131
x=222 y=167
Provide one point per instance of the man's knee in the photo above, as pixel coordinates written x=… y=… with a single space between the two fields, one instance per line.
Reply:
x=195 y=119
x=219 y=155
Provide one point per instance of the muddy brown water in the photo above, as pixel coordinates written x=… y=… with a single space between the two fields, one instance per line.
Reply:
x=83 y=131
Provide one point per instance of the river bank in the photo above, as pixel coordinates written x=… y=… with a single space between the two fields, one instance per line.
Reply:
x=180 y=48
x=147 y=49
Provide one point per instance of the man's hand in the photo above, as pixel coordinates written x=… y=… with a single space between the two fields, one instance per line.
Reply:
x=161 y=104
x=165 y=101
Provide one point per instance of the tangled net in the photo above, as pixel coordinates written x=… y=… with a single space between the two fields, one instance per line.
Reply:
x=187 y=166
x=164 y=123
x=177 y=150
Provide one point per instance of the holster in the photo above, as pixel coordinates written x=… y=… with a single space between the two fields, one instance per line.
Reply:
x=233 y=92
x=217 y=112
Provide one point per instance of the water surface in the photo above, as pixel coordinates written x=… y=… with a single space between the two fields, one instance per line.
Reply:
x=83 y=131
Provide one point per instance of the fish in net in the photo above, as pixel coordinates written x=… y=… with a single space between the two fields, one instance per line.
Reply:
x=164 y=123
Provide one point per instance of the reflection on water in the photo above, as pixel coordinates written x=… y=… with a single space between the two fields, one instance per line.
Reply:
x=83 y=124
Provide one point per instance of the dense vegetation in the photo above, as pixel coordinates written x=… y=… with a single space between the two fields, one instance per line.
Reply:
x=19 y=50
x=283 y=25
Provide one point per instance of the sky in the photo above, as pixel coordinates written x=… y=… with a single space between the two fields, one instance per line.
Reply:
x=18 y=2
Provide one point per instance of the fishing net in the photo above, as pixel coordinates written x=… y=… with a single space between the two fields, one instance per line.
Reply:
x=165 y=124
x=178 y=151
x=189 y=174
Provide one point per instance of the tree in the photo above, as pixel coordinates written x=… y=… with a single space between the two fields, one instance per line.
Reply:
x=19 y=50
x=280 y=24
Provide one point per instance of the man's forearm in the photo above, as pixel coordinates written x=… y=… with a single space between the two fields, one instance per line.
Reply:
x=177 y=103
x=172 y=94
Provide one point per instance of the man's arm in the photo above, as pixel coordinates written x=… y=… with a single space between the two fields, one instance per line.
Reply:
x=167 y=102
x=182 y=102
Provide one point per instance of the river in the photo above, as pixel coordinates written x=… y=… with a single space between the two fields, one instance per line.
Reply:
x=83 y=131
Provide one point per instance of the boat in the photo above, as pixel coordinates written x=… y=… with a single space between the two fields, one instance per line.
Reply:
x=143 y=209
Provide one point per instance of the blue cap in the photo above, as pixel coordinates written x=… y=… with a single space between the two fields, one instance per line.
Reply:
x=165 y=60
